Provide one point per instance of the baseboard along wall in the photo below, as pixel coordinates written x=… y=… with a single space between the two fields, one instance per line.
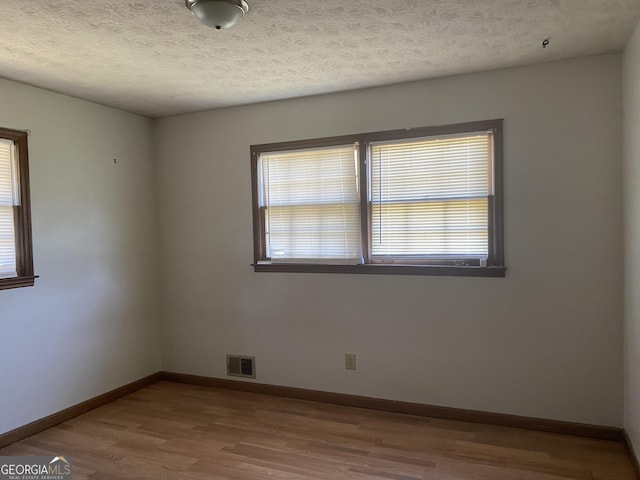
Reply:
x=447 y=413
x=68 y=413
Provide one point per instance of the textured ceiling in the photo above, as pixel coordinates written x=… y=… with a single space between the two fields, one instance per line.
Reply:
x=153 y=57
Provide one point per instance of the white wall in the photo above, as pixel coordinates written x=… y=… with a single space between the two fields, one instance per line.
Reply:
x=90 y=323
x=545 y=341
x=631 y=169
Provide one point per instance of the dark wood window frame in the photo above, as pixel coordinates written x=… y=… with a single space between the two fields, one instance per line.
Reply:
x=495 y=262
x=22 y=215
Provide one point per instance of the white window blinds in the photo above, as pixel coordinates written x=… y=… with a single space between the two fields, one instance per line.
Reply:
x=430 y=197
x=311 y=206
x=8 y=199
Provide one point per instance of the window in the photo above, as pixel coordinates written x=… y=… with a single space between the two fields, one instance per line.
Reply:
x=16 y=258
x=311 y=205
x=424 y=201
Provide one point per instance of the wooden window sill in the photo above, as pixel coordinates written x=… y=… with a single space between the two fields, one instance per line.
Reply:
x=427 y=270
x=16 y=282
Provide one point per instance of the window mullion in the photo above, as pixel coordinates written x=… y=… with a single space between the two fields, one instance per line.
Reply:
x=364 y=200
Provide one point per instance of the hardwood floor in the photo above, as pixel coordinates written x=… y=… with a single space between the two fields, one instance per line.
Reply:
x=175 y=431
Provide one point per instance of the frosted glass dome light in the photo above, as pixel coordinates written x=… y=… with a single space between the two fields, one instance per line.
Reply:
x=218 y=14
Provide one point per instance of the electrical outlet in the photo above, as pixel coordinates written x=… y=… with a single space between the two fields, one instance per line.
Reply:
x=350 y=361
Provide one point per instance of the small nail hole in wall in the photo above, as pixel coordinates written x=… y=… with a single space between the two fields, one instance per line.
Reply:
x=115 y=161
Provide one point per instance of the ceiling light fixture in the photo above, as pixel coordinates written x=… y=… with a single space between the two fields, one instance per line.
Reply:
x=218 y=14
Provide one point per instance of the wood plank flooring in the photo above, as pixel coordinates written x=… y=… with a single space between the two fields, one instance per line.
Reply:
x=175 y=431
